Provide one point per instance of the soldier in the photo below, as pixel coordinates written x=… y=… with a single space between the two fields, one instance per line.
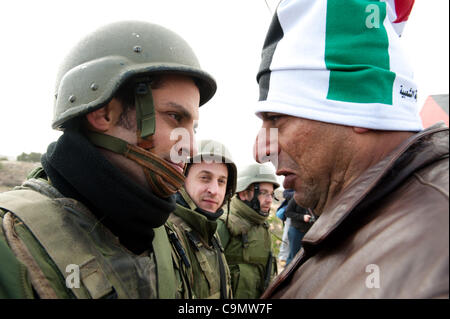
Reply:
x=89 y=223
x=244 y=232
x=210 y=183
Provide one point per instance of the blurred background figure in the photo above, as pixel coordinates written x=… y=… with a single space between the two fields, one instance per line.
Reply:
x=244 y=232
x=281 y=214
x=301 y=220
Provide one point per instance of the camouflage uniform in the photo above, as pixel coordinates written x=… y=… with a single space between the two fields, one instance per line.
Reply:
x=47 y=232
x=55 y=245
x=245 y=236
x=209 y=275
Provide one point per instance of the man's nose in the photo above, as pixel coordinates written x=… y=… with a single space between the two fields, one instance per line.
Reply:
x=267 y=200
x=213 y=188
x=265 y=148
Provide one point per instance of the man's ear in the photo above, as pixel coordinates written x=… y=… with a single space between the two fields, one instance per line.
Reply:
x=104 y=118
x=360 y=130
x=99 y=120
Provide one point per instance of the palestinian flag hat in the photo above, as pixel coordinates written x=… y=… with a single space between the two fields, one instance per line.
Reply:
x=340 y=61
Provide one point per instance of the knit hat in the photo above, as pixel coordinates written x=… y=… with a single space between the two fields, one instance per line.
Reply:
x=339 y=62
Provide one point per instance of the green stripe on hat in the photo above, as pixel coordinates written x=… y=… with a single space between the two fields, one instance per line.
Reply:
x=356 y=52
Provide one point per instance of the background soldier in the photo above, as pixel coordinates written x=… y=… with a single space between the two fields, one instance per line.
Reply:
x=106 y=187
x=210 y=183
x=244 y=232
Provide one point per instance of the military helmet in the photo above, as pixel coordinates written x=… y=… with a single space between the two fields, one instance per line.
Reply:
x=101 y=62
x=211 y=151
x=256 y=173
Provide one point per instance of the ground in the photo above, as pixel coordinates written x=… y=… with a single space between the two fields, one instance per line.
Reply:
x=13 y=173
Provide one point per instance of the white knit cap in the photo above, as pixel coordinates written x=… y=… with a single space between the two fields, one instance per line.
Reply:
x=340 y=62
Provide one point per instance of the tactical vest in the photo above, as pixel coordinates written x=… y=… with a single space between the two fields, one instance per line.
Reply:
x=57 y=237
x=248 y=249
x=209 y=273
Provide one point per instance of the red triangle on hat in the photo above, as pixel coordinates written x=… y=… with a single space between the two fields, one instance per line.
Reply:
x=403 y=9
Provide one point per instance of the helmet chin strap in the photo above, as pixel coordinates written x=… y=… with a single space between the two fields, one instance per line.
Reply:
x=254 y=202
x=163 y=179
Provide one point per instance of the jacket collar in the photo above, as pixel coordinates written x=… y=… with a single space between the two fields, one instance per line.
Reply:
x=242 y=210
x=205 y=227
x=406 y=159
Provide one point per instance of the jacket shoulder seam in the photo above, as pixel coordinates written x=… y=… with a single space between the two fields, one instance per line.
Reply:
x=434 y=186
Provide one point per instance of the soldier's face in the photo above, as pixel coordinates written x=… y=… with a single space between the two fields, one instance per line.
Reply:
x=265 y=196
x=176 y=102
x=176 y=110
x=206 y=184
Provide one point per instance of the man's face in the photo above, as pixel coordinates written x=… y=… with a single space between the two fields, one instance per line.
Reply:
x=176 y=102
x=206 y=184
x=308 y=153
x=176 y=110
x=265 y=196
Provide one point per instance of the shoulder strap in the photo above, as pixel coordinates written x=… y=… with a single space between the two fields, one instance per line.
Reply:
x=38 y=280
x=180 y=258
x=164 y=264
x=245 y=251
x=223 y=232
x=223 y=278
x=203 y=262
x=177 y=245
x=45 y=218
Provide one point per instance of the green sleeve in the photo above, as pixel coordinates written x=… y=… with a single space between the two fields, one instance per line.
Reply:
x=223 y=232
x=14 y=280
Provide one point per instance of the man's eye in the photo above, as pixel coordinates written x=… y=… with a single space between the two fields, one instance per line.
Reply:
x=175 y=116
x=273 y=118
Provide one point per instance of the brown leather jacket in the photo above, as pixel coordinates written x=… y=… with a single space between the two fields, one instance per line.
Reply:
x=385 y=236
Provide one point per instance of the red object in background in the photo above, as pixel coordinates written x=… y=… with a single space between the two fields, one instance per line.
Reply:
x=403 y=9
x=435 y=109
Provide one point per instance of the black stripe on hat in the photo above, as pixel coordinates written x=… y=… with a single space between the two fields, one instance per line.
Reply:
x=274 y=35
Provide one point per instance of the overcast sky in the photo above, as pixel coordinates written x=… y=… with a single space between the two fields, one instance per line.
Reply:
x=227 y=36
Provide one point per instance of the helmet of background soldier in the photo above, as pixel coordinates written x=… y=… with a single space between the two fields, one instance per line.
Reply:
x=256 y=173
x=211 y=151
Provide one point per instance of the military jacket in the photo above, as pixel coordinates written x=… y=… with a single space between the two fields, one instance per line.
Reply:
x=209 y=275
x=54 y=247
x=248 y=248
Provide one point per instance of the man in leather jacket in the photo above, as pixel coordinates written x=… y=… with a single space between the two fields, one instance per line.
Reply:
x=335 y=86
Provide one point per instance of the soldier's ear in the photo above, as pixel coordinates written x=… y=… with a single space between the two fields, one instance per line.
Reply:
x=242 y=195
x=104 y=118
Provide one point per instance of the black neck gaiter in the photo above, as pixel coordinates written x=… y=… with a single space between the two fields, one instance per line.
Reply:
x=79 y=171
x=211 y=216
